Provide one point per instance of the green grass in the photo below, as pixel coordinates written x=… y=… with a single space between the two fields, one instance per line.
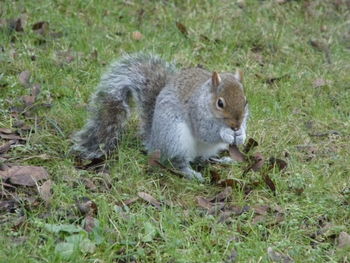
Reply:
x=283 y=115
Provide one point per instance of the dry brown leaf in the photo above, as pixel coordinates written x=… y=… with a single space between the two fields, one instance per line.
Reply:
x=11 y=137
x=130 y=201
x=150 y=199
x=154 y=158
x=24 y=78
x=5 y=147
x=343 y=240
x=28 y=100
x=137 y=35
x=279 y=163
x=228 y=182
x=214 y=176
x=36 y=89
x=41 y=27
x=45 y=191
x=251 y=144
x=222 y=196
x=204 y=203
x=9 y=206
x=6 y=131
x=24 y=175
x=182 y=28
x=216 y=208
x=86 y=206
x=318 y=83
x=224 y=216
x=269 y=182
x=257 y=161
x=278 y=257
x=261 y=210
x=236 y=154
x=89 y=223
x=89 y=184
x=258 y=219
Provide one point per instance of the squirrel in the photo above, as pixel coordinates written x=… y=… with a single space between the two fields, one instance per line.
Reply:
x=189 y=114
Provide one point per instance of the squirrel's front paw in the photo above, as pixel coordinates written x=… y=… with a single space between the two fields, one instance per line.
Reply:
x=227 y=135
x=240 y=137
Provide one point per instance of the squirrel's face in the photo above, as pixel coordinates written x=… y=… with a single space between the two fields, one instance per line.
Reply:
x=229 y=102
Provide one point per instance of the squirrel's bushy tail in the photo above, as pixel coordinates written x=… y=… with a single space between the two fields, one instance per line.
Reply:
x=139 y=75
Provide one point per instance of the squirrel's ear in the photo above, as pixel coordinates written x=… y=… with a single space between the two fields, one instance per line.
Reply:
x=239 y=75
x=215 y=79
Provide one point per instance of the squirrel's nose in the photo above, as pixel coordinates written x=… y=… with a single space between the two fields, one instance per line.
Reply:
x=235 y=128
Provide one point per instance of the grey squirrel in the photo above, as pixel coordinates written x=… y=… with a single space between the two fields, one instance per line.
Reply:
x=189 y=114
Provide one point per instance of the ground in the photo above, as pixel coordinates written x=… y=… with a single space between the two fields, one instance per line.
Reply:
x=295 y=58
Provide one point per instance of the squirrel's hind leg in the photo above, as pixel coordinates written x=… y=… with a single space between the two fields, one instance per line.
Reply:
x=185 y=168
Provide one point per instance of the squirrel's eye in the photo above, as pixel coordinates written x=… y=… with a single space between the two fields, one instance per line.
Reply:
x=220 y=103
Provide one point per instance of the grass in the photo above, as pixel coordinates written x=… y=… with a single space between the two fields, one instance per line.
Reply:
x=270 y=42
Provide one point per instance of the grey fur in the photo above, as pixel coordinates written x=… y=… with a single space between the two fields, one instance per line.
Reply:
x=141 y=75
x=175 y=109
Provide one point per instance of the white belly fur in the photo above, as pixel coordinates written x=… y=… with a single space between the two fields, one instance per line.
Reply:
x=195 y=148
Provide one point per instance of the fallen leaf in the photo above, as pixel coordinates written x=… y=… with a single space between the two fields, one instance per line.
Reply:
x=130 y=201
x=318 y=83
x=28 y=100
x=224 y=216
x=20 y=221
x=343 y=240
x=261 y=210
x=86 y=206
x=137 y=35
x=228 y=182
x=9 y=206
x=236 y=154
x=319 y=45
x=214 y=175
x=222 y=196
x=258 y=219
x=154 y=158
x=251 y=144
x=216 y=208
x=12 y=24
x=269 y=182
x=204 y=203
x=278 y=257
x=257 y=161
x=11 y=136
x=182 y=28
x=89 y=223
x=6 y=131
x=45 y=191
x=24 y=78
x=279 y=163
x=279 y=217
x=89 y=184
x=5 y=147
x=150 y=199
x=36 y=89
x=41 y=27
x=24 y=175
